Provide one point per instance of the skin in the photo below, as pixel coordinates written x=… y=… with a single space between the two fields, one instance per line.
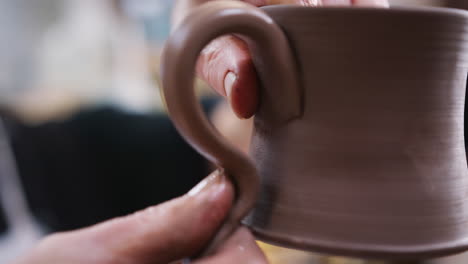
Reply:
x=229 y=56
x=157 y=235
x=179 y=228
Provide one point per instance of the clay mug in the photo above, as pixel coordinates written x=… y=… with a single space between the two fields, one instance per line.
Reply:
x=358 y=144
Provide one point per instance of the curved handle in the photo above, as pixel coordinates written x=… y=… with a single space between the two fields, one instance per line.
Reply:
x=205 y=23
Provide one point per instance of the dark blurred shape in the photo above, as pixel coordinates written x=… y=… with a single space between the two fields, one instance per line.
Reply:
x=3 y=223
x=100 y=164
x=463 y=4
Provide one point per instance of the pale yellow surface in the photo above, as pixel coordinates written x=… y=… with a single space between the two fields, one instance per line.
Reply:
x=279 y=255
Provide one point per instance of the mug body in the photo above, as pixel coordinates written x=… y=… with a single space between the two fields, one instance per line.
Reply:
x=375 y=164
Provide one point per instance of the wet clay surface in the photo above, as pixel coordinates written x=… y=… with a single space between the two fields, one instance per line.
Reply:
x=376 y=164
x=358 y=140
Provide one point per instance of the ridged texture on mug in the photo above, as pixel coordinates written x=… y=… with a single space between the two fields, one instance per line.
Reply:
x=376 y=165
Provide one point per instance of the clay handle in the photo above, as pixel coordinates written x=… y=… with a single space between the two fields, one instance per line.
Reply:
x=205 y=23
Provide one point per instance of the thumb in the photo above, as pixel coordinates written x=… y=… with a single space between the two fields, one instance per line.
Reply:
x=160 y=234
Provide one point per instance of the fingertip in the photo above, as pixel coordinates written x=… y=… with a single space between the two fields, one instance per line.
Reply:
x=244 y=93
x=216 y=204
x=226 y=65
x=159 y=234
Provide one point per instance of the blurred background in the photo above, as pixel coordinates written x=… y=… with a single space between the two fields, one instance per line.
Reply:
x=83 y=133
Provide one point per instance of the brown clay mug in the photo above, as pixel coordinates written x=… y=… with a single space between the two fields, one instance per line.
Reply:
x=358 y=144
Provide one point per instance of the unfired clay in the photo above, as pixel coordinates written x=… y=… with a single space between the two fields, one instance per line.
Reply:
x=358 y=141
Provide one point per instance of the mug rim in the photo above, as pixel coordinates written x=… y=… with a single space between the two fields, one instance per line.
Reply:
x=392 y=10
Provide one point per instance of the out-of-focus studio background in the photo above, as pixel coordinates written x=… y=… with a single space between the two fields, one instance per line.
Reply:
x=83 y=133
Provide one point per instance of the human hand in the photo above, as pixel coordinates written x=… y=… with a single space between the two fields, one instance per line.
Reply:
x=226 y=65
x=161 y=234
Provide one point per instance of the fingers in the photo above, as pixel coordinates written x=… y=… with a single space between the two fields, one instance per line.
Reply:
x=227 y=66
x=183 y=7
x=239 y=248
x=257 y=2
x=311 y=2
x=337 y=2
x=171 y=231
x=374 y=3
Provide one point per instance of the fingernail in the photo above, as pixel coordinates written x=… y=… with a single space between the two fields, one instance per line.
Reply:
x=229 y=82
x=212 y=181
